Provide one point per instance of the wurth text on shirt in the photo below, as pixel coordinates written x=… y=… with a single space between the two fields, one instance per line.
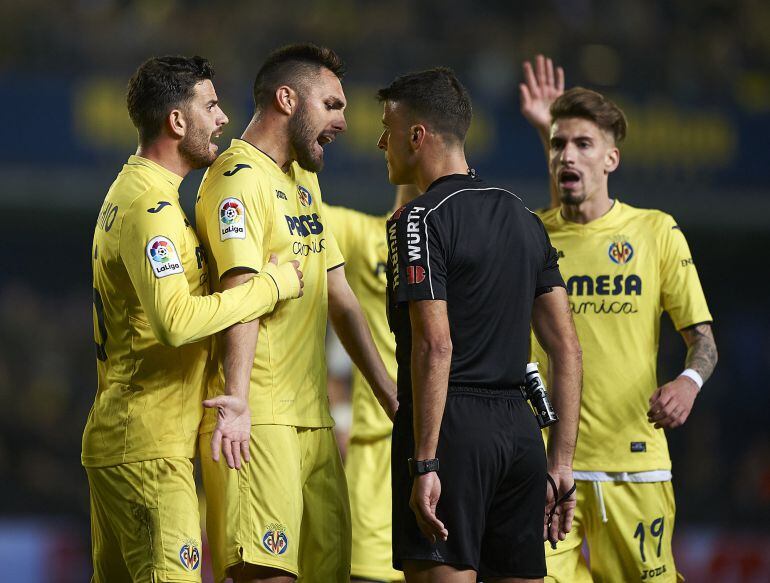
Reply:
x=413 y=239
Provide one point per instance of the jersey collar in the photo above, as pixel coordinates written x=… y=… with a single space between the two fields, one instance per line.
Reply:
x=257 y=153
x=607 y=218
x=453 y=177
x=159 y=171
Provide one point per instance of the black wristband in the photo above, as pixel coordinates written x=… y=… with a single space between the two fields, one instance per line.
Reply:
x=422 y=467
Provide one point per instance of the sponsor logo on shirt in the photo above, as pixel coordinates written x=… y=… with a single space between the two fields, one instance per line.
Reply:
x=393 y=251
x=305 y=249
x=236 y=169
x=397 y=213
x=281 y=195
x=232 y=224
x=275 y=540
x=686 y=262
x=304 y=225
x=652 y=573
x=305 y=198
x=163 y=257
x=604 y=285
x=638 y=446
x=620 y=251
x=415 y=274
x=413 y=238
x=190 y=556
x=161 y=205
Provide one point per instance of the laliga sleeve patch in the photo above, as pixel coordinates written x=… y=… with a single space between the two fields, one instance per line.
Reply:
x=232 y=219
x=163 y=257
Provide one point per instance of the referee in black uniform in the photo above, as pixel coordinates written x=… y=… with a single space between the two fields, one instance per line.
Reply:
x=469 y=268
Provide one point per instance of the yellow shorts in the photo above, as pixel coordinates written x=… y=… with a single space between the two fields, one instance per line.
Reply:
x=145 y=525
x=287 y=508
x=368 y=469
x=634 y=544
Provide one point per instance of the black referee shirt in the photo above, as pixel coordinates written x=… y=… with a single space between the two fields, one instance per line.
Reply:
x=481 y=250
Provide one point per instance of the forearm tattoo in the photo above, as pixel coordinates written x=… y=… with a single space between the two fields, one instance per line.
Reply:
x=701 y=349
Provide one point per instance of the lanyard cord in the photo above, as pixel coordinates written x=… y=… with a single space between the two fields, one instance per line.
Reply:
x=557 y=501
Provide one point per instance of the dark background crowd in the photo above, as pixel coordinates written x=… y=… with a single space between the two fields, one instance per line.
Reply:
x=692 y=75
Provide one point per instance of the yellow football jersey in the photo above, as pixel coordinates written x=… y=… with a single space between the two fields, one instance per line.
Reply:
x=362 y=241
x=248 y=209
x=149 y=286
x=622 y=270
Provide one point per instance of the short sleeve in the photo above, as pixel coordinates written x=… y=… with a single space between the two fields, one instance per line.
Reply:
x=681 y=292
x=334 y=257
x=236 y=213
x=549 y=275
x=421 y=243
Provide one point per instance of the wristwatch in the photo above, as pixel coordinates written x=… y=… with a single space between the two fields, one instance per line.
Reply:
x=422 y=467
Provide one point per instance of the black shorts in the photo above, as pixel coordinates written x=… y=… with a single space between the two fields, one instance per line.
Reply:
x=492 y=471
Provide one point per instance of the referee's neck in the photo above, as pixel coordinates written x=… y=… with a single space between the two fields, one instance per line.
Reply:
x=439 y=163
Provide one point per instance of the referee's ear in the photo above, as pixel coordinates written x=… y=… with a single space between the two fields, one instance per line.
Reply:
x=417 y=135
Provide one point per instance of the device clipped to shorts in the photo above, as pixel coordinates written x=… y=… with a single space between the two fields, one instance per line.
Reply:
x=534 y=391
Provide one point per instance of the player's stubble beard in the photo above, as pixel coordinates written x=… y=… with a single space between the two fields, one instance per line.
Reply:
x=572 y=198
x=194 y=148
x=302 y=140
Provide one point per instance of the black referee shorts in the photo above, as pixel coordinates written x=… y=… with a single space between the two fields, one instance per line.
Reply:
x=493 y=484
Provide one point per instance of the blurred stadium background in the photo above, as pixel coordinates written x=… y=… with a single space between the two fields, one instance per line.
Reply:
x=692 y=75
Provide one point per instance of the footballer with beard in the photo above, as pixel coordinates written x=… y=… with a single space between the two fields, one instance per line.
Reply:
x=152 y=318
x=623 y=266
x=285 y=512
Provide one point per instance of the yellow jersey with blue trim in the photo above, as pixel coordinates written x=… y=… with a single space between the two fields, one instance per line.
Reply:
x=622 y=271
x=248 y=209
x=151 y=319
x=362 y=241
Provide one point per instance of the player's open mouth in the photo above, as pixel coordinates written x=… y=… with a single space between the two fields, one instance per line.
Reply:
x=215 y=136
x=324 y=139
x=569 y=178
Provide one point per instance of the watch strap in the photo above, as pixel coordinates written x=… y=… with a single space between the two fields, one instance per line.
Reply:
x=422 y=467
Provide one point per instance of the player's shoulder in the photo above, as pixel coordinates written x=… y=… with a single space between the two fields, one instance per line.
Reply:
x=651 y=218
x=235 y=164
x=141 y=212
x=134 y=193
x=347 y=216
x=240 y=159
x=237 y=171
x=548 y=216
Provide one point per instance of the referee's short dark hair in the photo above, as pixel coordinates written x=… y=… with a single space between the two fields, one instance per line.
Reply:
x=436 y=97
x=159 y=85
x=293 y=65
x=593 y=106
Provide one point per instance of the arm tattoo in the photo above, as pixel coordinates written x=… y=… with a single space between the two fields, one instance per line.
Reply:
x=701 y=349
